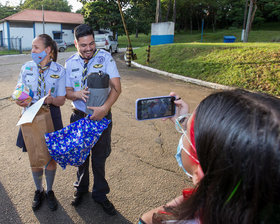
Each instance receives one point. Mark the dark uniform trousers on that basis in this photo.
(99, 153)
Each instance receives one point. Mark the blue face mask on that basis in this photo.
(178, 156)
(38, 57)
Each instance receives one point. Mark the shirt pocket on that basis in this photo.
(31, 81)
(76, 78)
(51, 84)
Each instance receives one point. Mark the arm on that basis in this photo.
(148, 216)
(102, 111)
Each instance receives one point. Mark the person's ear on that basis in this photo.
(197, 174)
(76, 43)
(48, 50)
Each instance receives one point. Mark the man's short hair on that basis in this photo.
(83, 30)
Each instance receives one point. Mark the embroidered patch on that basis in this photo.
(75, 69)
(77, 84)
(52, 90)
(98, 66)
(54, 76)
(100, 59)
(30, 74)
(28, 68)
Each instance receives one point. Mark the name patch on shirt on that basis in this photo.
(98, 66)
(75, 69)
(30, 74)
(54, 76)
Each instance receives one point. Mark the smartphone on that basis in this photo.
(155, 107)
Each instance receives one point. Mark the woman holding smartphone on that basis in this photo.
(230, 147)
(43, 75)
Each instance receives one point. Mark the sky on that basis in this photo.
(75, 4)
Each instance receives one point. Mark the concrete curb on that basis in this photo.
(183, 78)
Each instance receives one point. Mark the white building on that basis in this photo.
(28, 24)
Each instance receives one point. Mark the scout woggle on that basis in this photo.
(38, 57)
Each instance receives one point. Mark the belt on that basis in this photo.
(83, 114)
(79, 112)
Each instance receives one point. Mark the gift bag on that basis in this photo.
(33, 135)
(71, 145)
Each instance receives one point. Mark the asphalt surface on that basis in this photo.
(141, 170)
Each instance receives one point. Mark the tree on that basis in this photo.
(102, 14)
(53, 5)
(251, 15)
(6, 10)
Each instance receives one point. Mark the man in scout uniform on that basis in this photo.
(88, 60)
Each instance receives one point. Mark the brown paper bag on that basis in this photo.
(33, 135)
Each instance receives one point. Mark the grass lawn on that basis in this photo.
(208, 37)
(254, 66)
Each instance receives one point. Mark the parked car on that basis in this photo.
(107, 42)
(61, 45)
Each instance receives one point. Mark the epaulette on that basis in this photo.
(70, 57)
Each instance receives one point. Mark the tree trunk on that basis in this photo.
(244, 20)
(253, 15)
(174, 12)
(191, 23)
(248, 22)
(157, 11)
(168, 10)
(136, 33)
(214, 22)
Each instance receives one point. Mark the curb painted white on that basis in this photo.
(183, 78)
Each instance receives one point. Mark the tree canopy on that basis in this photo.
(53, 5)
(6, 10)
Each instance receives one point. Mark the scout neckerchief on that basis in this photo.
(41, 79)
(84, 78)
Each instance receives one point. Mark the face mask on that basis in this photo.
(38, 57)
(178, 156)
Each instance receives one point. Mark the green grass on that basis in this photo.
(254, 66)
(6, 52)
(208, 37)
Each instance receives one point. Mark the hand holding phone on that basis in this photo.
(155, 107)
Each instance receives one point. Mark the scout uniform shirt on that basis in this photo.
(101, 61)
(54, 77)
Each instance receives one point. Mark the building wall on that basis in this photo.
(25, 33)
(68, 37)
(28, 31)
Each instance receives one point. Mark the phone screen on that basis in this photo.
(155, 107)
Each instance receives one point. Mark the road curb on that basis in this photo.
(183, 78)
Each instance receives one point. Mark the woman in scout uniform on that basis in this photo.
(43, 75)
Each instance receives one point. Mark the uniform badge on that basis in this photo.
(29, 68)
(98, 66)
(100, 59)
(30, 74)
(52, 90)
(77, 84)
(54, 76)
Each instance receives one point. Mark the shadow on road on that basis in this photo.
(8, 211)
(93, 213)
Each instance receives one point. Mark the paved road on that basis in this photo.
(141, 169)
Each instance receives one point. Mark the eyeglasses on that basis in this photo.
(178, 124)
